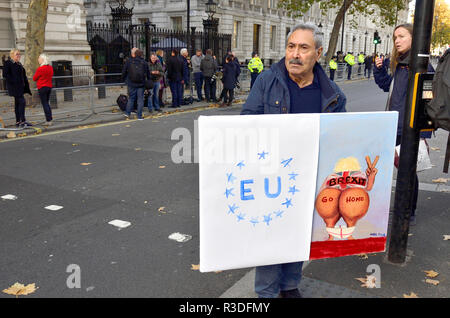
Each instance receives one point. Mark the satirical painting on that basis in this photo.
(353, 184)
(285, 188)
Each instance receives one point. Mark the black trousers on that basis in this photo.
(228, 95)
(19, 108)
(44, 94)
(332, 74)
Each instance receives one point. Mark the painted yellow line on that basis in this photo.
(39, 133)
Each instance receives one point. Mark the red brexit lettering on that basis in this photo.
(345, 180)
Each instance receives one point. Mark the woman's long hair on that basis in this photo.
(395, 54)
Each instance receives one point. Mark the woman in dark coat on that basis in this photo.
(229, 81)
(17, 85)
(397, 86)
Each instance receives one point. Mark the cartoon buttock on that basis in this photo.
(344, 194)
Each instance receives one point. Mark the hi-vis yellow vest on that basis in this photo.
(350, 59)
(361, 58)
(255, 63)
(333, 65)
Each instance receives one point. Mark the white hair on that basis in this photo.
(318, 36)
(183, 50)
(45, 59)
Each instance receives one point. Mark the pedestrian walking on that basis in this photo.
(296, 84)
(255, 67)
(208, 66)
(135, 72)
(397, 85)
(198, 75)
(175, 75)
(17, 85)
(229, 81)
(156, 72)
(43, 78)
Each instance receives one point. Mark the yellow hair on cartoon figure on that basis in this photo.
(347, 164)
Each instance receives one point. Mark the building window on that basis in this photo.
(271, 4)
(236, 34)
(273, 37)
(288, 30)
(177, 23)
(256, 34)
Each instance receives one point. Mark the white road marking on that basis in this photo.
(54, 207)
(120, 224)
(9, 197)
(180, 237)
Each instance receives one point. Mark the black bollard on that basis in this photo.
(68, 95)
(101, 80)
(53, 100)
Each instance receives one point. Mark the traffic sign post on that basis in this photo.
(420, 54)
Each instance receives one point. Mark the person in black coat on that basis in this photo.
(175, 75)
(229, 80)
(368, 62)
(17, 85)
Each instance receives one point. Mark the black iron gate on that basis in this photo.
(111, 44)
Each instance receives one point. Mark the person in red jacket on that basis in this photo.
(43, 79)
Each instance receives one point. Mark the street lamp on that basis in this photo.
(211, 24)
(211, 8)
(343, 26)
(365, 41)
(387, 44)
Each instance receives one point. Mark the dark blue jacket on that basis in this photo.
(229, 75)
(270, 93)
(185, 70)
(398, 95)
(144, 67)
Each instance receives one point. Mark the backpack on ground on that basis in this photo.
(438, 109)
(122, 101)
(136, 72)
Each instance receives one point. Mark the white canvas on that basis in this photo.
(257, 186)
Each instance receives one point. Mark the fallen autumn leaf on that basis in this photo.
(431, 273)
(19, 289)
(412, 295)
(432, 281)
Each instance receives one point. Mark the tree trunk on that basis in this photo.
(35, 38)
(336, 29)
(34, 42)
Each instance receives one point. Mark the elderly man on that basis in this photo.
(135, 72)
(296, 84)
(198, 76)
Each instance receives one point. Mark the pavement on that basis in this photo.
(428, 250)
(76, 115)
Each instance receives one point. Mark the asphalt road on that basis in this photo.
(118, 171)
